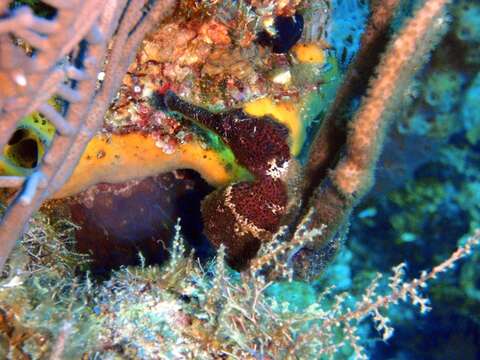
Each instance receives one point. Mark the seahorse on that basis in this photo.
(242, 215)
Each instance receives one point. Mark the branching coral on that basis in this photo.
(31, 84)
(340, 184)
(80, 29)
(185, 310)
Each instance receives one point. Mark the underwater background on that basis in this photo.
(426, 198)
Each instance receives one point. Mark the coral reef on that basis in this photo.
(284, 107)
(268, 157)
(210, 34)
(190, 311)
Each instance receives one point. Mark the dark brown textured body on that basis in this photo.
(242, 215)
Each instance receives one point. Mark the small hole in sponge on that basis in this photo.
(23, 149)
(28, 153)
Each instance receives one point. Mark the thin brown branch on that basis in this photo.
(354, 174)
(31, 196)
(332, 134)
(29, 82)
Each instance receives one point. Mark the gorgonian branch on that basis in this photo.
(82, 30)
(352, 176)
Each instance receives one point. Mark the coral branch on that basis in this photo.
(31, 197)
(86, 103)
(374, 302)
(29, 82)
(332, 135)
(128, 37)
(352, 177)
(354, 174)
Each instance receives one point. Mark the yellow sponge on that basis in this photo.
(309, 53)
(286, 113)
(119, 158)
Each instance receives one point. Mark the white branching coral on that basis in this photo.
(188, 310)
(276, 253)
(236, 317)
